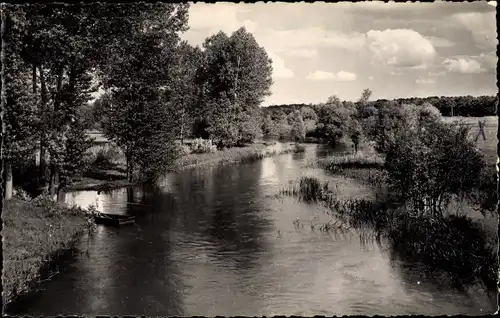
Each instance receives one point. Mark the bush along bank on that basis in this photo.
(104, 180)
(454, 245)
(247, 154)
(421, 157)
(36, 234)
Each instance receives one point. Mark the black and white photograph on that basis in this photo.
(249, 159)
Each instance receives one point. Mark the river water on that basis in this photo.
(216, 241)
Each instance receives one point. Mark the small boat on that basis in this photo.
(113, 219)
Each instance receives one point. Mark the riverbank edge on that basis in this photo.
(319, 193)
(42, 260)
(43, 269)
(253, 154)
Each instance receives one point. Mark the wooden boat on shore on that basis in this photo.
(113, 219)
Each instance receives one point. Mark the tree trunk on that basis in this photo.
(130, 195)
(182, 129)
(43, 155)
(57, 99)
(129, 166)
(33, 79)
(43, 116)
(61, 195)
(8, 180)
(52, 181)
(3, 99)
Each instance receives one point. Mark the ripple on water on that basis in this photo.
(216, 242)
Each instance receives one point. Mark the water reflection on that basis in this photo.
(215, 242)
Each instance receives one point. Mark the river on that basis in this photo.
(216, 241)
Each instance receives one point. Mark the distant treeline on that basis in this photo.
(467, 106)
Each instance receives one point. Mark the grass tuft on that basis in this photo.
(359, 160)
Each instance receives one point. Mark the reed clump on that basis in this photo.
(360, 160)
(452, 244)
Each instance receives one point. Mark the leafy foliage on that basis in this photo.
(140, 72)
(298, 129)
(202, 146)
(334, 119)
(422, 166)
(237, 76)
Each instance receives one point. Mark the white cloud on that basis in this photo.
(313, 37)
(306, 53)
(425, 81)
(207, 19)
(279, 68)
(320, 76)
(437, 74)
(440, 42)
(488, 61)
(492, 3)
(481, 25)
(371, 77)
(341, 76)
(215, 17)
(400, 47)
(462, 65)
(345, 76)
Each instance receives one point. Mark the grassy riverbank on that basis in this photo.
(35, 234)
(112, 174)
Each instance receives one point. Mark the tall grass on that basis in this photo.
(309, 189)
(106, 156)
(248, 154)
(35, 233)
(359, 160)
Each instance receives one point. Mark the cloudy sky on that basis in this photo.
(395, 49)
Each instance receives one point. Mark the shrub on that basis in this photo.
(107, 155)
(422, 166)
(360, 160)
(298, 129)
(21, 194)
(184, 150)
(454, 244)
(249, 128)
(203, 146)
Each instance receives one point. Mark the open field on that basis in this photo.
(488, 146)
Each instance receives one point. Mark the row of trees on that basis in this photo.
(468, 106)
(422, 152)
(334, 121)
(157, 87)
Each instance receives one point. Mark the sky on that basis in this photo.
(395, 49)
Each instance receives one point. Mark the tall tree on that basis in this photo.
(18, 104)
(334, 119)
(186, 93)
(365, 96)
(237, 74)
(64, 45)
(140, 75)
